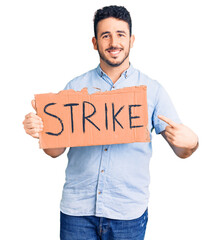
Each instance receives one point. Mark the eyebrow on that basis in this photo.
(121, 31)
(103, 33)
(107, 32)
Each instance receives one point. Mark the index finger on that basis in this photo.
(33, 116)
(168, 121)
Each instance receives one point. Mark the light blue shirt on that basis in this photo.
(112, 181)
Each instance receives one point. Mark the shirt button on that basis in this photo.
(105, 149)
(99, 192)
(102, 171)
(113, 86)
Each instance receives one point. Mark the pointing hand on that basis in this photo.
(179, 135)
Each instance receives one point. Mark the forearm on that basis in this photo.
(184, 152)
(54, 152)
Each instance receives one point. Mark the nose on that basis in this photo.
(114, 41)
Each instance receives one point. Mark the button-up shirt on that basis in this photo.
(112, 181)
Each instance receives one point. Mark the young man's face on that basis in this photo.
(113, 41)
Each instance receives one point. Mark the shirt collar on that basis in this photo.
(126, 73)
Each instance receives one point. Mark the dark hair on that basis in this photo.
(115, 12)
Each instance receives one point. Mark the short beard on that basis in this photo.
(110, 63)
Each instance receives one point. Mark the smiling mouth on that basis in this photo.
(114, 52)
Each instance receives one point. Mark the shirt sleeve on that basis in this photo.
(67, 87)
(165, 107)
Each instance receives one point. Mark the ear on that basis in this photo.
(94, 41)
(132, 39)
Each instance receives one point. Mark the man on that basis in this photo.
(106, 191)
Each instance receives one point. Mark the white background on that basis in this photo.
(44, 44)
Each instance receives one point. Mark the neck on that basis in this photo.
(114, 73)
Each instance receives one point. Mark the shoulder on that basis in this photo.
(153, 86)
(77, 81)
(156, 93)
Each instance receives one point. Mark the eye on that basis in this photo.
(121, 35)
(105, 36)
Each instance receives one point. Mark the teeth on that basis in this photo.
(115, 52)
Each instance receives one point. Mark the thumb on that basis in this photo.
(33, 104)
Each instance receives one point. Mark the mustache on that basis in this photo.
(113, 48)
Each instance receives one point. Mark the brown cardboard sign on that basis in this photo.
(73, 118)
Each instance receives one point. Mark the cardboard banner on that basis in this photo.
(73, 118)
